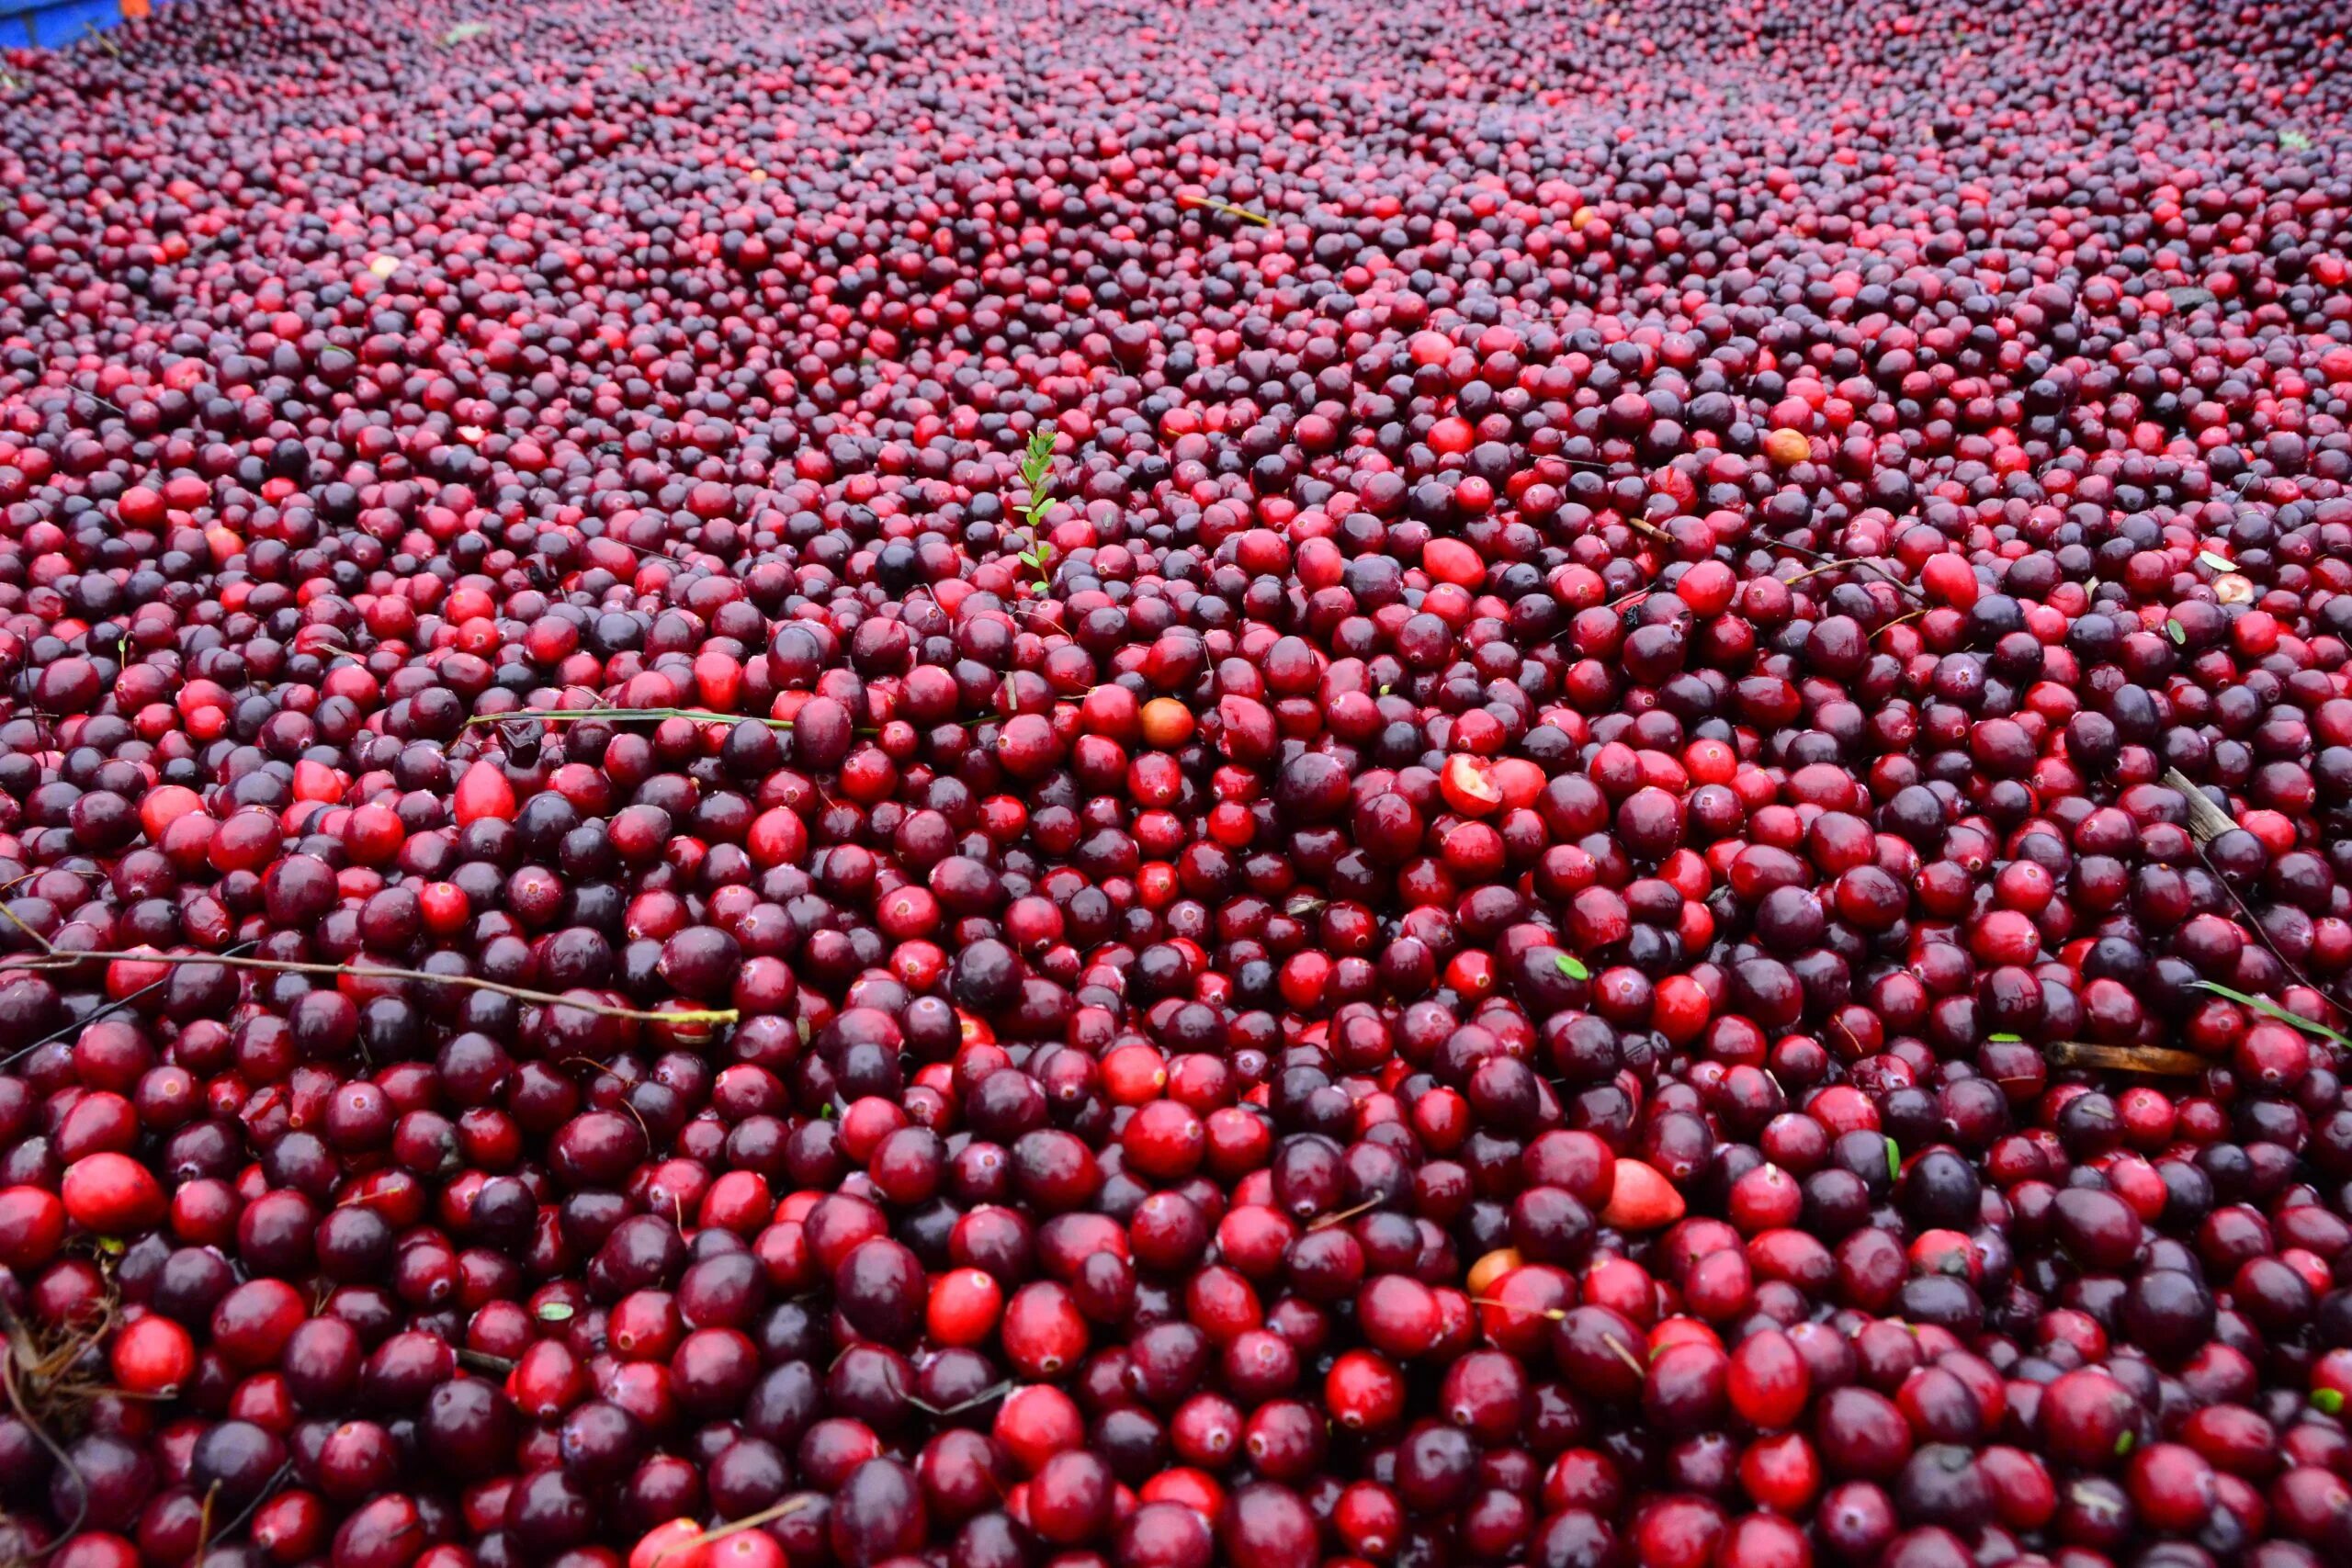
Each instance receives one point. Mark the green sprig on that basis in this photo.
(1037, 472)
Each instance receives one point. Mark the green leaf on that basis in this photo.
(1038, 460)
(2218, 562)
(2123, 1445)
(1574, 969)
(1893, 1160)
(463, 31)
(555, 1312)
(2294, 141)
(2007, 1039)
(1036, 470)
(2175, 630)
(2269, 1008)
(2328, 1401)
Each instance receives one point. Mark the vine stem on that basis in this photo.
(55, 960)
(1828, 566)
(15, 1346)
(736, 1527)
(1554, 1315)
(1325, 1222)
(2152, 1059)
(1228, 208)
(2207, 822)
(1912, 589)
(575, 716)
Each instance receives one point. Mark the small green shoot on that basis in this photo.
(1037, 472)
(2123, 1444)
(1574, 969)
(2176, 631)
(2005, 1039)
(2269, 1008)
(2294, 141)
(463, 31)
(1893, 1160)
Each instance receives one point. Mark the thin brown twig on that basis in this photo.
(99, 401)
(626, 1104)
(204, 1521)
(1228, 208)
(283, 1473)
(735, 1527)
(2124, 1059)
(2207, 822)
(1826, 558)
(54, 1035)
(18, 921)
(1342, 1216)
(575, 716)
(18, 1353)
(56, 1451)
(1838, 565)
(996, 1390)
(1556, 1315)
(1624, 1354)
(289, 966)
